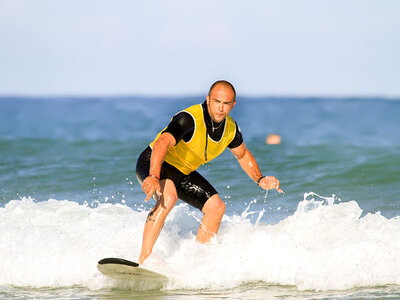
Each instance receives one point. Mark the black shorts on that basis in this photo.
(194, 189)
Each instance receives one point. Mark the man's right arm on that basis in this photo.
(181, 127)
(152, 183)
(159, 152)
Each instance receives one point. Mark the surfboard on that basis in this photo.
(118, 268)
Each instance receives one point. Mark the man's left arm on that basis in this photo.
(250, 166)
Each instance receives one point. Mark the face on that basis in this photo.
(220, 102)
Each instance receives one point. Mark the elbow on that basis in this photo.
(242, 155)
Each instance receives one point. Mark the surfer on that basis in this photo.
(167, 168)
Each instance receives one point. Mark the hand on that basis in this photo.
(269, 183)
(150, 186)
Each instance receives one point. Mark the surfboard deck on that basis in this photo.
(119, 268)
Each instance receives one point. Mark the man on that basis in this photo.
(167, 168)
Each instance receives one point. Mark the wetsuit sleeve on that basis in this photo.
(237, 140)
(181, 127)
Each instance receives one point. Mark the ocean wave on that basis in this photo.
(325, 245)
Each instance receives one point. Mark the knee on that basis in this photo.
(214, 206)
(221, 207)
(168, 202)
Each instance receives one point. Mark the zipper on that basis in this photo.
(205, 150)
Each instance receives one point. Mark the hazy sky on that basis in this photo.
(175, 47)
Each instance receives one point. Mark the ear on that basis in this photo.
(233, 104)
(208, 99)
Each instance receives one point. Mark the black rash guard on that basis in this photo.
(182, 128)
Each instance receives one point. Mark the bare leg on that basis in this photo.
(156, 218)
(213, 210)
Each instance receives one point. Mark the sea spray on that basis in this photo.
(323, 246)
(57, 243)
(326, 244)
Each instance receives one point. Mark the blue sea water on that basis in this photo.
(69, 197)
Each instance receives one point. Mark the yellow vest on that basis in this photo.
(188, 156)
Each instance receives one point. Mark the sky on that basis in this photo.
(180, 47)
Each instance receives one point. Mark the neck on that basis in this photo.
(213, 128)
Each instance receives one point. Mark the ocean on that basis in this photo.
(69, 197)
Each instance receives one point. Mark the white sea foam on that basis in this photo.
(323, 246)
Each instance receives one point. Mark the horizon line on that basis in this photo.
(196, 95)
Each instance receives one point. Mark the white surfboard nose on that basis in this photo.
(119, 268)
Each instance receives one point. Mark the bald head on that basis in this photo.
(220, 100)
(223, 84)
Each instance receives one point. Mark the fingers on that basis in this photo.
(280, 191)
(150, 186)
(277, 185)
(278, 188)
(150, 192)
(271, 182)
(148, 197)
